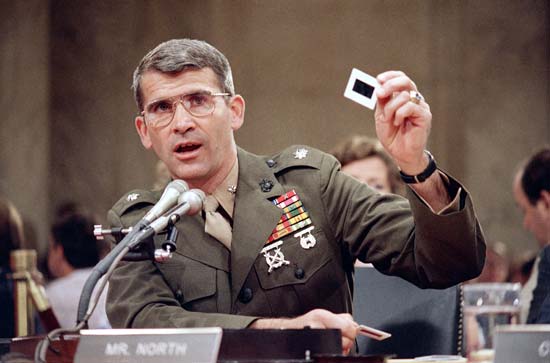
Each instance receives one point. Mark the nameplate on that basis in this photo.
(196, 345)
(522, 344)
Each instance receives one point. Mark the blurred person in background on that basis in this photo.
(497, 265)
(365, 159)
(525, 272)
(73, 251)
(11, 238)
(162, 176)
(532, 195)
(522, 268)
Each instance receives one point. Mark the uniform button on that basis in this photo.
(179, 296)
(271, 163)
(246, 295)
(266, 185)
(299, 273)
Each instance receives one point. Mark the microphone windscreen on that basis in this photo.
(168, 199)
(195, 198)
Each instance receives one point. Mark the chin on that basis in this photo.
(188, 173)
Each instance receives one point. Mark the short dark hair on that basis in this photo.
(177, 55)
(74, 231)
(536, 175)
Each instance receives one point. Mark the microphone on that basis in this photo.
(195, 198)
(136, 235)
(189, 203)
(169, 197)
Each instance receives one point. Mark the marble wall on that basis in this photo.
(66, 70)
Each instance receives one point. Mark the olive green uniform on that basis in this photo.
(205, 284)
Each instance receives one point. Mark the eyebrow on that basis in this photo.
(180, 94)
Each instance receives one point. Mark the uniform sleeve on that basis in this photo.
(139, 296)
(401, 236)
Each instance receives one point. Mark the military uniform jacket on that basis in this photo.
(205, 284)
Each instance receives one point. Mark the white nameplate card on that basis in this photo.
(197, 345)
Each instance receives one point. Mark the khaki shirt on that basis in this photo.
(205, 284)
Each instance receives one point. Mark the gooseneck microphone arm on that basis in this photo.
(102, 266)
(190, 202)
(169, 197)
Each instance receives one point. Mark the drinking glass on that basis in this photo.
(487, 305)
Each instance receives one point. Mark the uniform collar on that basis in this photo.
(225, 197)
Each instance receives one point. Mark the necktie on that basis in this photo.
(215, 224)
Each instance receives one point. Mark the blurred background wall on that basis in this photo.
(66, 130)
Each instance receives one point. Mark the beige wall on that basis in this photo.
(483, 66)
(24, 101)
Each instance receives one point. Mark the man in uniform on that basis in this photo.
(291, 224)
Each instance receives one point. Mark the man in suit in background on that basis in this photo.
(532, 194)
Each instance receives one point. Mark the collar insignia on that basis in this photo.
(132, 197)
(300, 153)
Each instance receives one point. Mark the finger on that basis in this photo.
(382, 78)
(348, 326)
(385, 76)
(408, 111)
(394, 104)
(347, 344)
(396, 84)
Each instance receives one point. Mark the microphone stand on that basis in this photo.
(140, 233)
(140, 237)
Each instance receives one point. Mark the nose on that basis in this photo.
(182, 120)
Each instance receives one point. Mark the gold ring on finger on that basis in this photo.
(415, 97)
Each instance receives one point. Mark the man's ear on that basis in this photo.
(237, 107)
(544, 200)
(143, 132)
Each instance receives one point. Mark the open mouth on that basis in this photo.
(185, 148)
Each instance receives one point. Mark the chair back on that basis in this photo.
(421, 321)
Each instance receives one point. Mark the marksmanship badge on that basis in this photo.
(274, 256)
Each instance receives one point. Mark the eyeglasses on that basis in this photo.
(160, 113)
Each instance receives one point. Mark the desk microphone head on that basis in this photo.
(168, 199)
(195, 198)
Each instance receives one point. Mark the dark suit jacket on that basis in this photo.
(205, 284)
(539, 309)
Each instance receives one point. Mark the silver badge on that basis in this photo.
(274, 256)
(300, 153)
(132, 197)
(307, 240)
